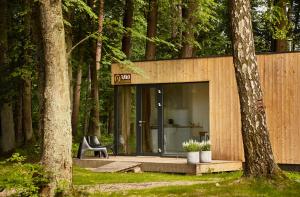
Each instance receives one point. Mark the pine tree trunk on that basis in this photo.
(76, 97)
(18, 120)
(188, 33)
(7, 128)
(40, 66)
(259, 159)
(26, 82)
(127, 24)
(151, 29)
(26, 111)
(126, 90)
(57, 141)
(281, 44)
(7, 132)
(94, 122)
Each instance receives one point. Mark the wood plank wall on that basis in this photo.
(280, 78)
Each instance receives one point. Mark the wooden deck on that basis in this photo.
(163, 164)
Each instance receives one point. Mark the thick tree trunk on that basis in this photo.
(57, 142)
(151, 29)
(188, 37)
(259, 159)
(94, 122)
(76, 97)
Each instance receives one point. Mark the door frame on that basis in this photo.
(160, 120)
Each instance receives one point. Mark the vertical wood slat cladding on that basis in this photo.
(280, 79)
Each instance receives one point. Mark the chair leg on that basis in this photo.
(81, 153)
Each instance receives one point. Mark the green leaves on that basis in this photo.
(277, 22)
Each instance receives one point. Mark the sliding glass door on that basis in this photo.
(149, 120)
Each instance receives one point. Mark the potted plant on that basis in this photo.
(205, 153)
(192, 147)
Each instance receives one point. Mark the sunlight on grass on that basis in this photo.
(86, 177)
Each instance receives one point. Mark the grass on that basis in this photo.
(86, 177)
(228, 188)
(230, 184)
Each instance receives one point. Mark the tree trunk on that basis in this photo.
(26, 82)
(259, 159)
(188, 33)
(57, 141)
(282, 44)
(7, 128)
(26, 111)
(18, 120)
(126, 90)
(76, 97)
(7, 132)
(69, 43)
(151, 29)
(127, 24)
(94, 122)
(150, 54)
(40, 66)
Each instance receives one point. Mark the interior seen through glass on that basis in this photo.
(185, 116)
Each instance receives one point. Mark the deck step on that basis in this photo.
(119, 166)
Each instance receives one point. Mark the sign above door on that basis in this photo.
(122, 78)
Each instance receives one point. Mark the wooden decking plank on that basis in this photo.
(117, 166)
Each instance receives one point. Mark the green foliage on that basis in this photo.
(25, 178)
(191, 146)
(205, 147)
(278, 23)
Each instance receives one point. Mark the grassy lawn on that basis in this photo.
(227, 188)
(86, 177)
(230, 184)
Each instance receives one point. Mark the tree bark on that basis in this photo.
(18, 120)
(259, 159)
(7, 134)
(57, 142)
(151, 30)
(26, 81)
(94, 122)
(40, 66)
(126, 90)
(26, 111)
(76, 97)
(127, 24)
(282, 44)
(7, 128)
(188, 37)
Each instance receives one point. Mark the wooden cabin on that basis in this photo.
(176, 100)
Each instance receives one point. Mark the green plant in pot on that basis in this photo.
(192, 147)
(205, 153)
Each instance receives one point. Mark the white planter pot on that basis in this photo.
(205, 156)
(192, 157)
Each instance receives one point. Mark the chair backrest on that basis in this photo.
(85, 144)
(93, 141)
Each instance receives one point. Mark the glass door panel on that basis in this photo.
(149, 109)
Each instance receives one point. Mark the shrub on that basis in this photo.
(25, 178)
(191, 146)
